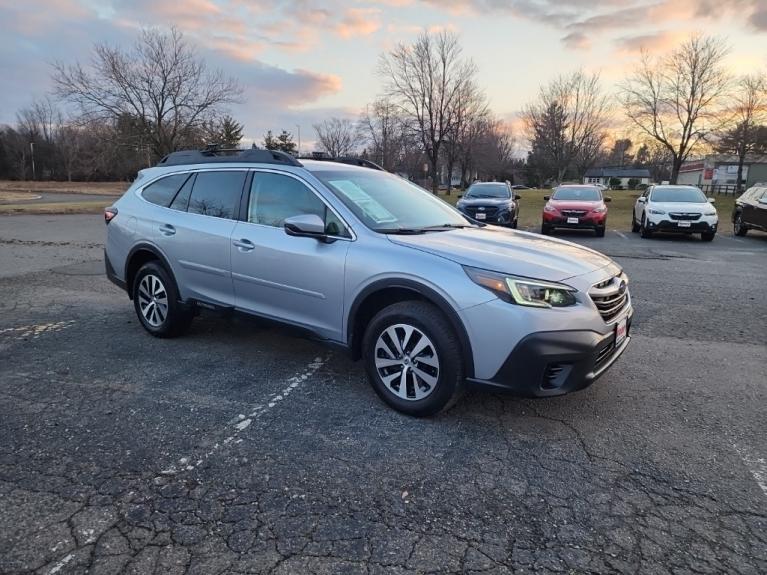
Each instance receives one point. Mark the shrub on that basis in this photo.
(633, 183)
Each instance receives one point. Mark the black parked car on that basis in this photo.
(491, 202)
(750, 211)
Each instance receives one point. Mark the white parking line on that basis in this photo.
(756, 465)
(241, 422)
(621, 234)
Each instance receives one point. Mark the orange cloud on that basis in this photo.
(359, 22)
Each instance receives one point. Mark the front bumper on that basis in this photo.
(585, 222)
(664, 224)
(545, 364)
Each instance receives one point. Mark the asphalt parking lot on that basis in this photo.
(242, 448)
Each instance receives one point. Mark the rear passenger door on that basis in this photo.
(295, 279)
(196, 233)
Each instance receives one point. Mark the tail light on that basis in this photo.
(109, 214)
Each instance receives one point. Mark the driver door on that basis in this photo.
(639, 207)
(298, 280)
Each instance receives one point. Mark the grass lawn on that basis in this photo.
(89, 207)
(619, 210)
(36, 187)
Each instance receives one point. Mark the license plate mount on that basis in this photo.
(683, 224)
(620, 332)
(572, 220)
(481, 216)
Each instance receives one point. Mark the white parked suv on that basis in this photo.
(679, 209)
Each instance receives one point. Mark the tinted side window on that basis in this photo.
(217, 194)
(162, 191)
(274, 197)
(181, 201)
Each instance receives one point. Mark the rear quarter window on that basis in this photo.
(162, 191)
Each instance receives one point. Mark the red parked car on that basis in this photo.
(575, 207)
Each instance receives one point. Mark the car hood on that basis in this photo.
(574, 205)
(484, 201)
(513, 252)
(697, 207)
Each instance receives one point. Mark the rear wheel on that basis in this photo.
(157, 304)
(413, 358)
(644, 231)
(739, 227)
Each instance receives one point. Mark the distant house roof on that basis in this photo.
(618, 173)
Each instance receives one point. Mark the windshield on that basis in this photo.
(578, 194)
(488, 191)
(669, 194)
(386, 203)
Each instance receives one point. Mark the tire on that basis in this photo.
(738, 227)
(707, 236)
(429, 388)
(634, 224)
(600, 232)
(643, 230)
(545, 230)
(514, 224)
(156, 301)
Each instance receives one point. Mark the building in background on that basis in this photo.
(629, 177)
(718, 173)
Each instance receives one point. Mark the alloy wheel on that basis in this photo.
(407, 362)
(153, 300)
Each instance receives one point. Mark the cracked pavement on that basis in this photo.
(242, 448)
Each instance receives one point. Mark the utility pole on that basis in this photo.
(32, 150)
(299, 140)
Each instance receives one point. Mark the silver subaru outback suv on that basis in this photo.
(430, 300)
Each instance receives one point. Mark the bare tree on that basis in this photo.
(471, 114)
(425, 79)
(567, 123)
(337, 137)
(748, 113)
(677, 99)
(160, 81)
(382, 127)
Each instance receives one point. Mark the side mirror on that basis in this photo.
(517, 197)
(641, 199)
(607, 199)
(547, 198)
(305, 226)
(711, 200)
(460, 196)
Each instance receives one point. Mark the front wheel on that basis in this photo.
(413, 358)
(600, 231)
(644, 231)
(707, 236)
(157, 303)
(545, 229)
(634, 224)
(739, 227)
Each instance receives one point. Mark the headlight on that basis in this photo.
(655, 211)
(549, 208)
(523, 291)
(600, 209)
(711, 213)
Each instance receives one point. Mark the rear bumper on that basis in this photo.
(546, 364)
(111, 275)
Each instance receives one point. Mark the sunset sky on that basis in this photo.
(303, 60)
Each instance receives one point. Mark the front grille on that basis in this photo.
(604, 354)
(489, 210)
(573, 213)
(684, 217)
(611, 296)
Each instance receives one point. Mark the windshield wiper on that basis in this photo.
(448, 227)
(401, 231)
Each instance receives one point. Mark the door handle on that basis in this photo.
(167, 230)
(244, 245)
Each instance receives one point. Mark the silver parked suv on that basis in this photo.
(366, 260)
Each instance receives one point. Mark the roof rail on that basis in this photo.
(214, 154)
(321, 156)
